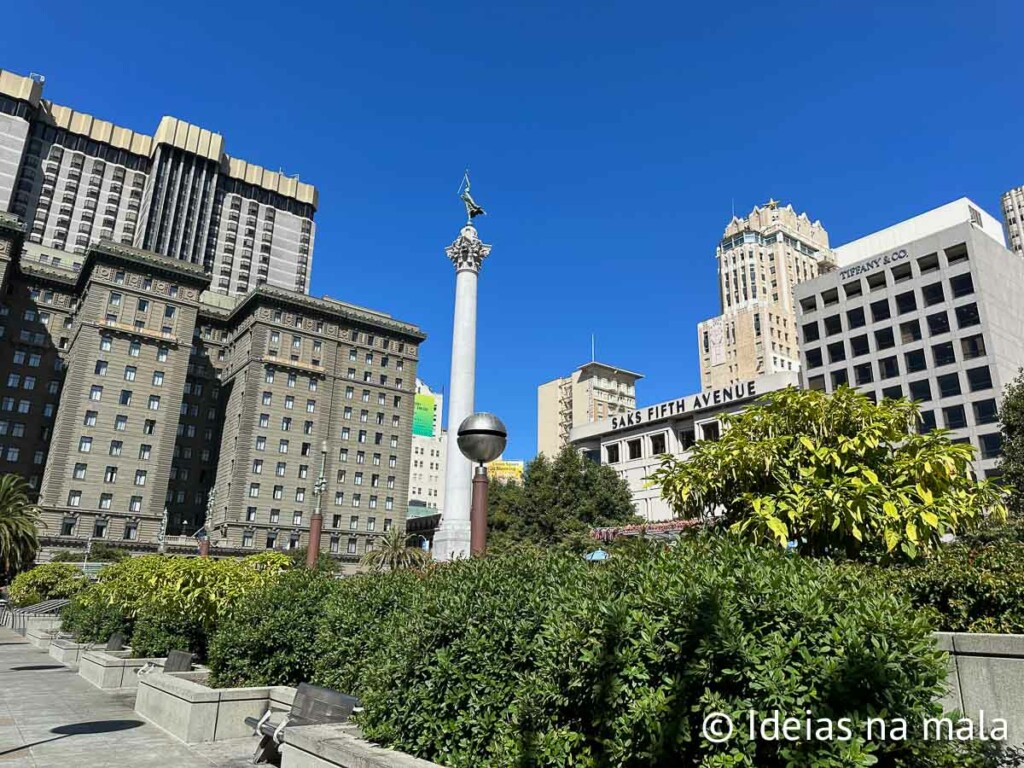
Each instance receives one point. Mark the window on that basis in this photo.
(134, 349)
(79, 473)
(120, 423)
(833, 325)
(906, 302)
(880, 310)
(158, 378)
(633, 449)
(915, 361)
(862, 373)
(144, 452)
(351, 547)
(96, 393)
(961, 285)
(126, 397)
(115, 448)
(140, 477)
(101, 369)
(932, 294)
(910, 331)
(967, 315)
(106, 499)
(99, 529)
(979, 379)
(611, 454)
(297, 518)
(836, 352)
(986, 412)
(991, 445)
(840, 378)
(154, 402)
(267, 398)
(938, 323)
(892, 393)
(90, 419)
(884, 339)
(973, 346)
(855, 317)
(254, 490)
(949, 385)
(813, 358)
(85, 444)
(257, 466)
(859, 346)
(105, 343)
(888, 367)
(920, 390)
(161, 355)
(149, 427)
(75, 499)
(129, 373)
(811, 332)
(954, 417)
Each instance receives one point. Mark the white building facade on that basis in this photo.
(429, 453)
(633, 444)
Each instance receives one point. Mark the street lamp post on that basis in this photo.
(481, 438)
(316, 522)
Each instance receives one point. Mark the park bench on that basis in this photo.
(19, 616)
(176, 661)
(312, 705)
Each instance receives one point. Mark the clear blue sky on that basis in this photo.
(608, 141)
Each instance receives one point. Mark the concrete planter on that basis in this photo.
(111, 670)
(986, 674)
(27, 624)
(68, 652)
(40, 637)
(340, 746)
(180, 704)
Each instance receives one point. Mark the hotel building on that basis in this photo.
(929, 309)
(77, 180)
(760, 259)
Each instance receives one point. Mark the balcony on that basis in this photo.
(283, 363)
(146, 332)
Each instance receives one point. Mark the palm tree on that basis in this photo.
(19, 523)
(394, 552)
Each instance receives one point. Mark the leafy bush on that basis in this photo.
(832, 474)
(99, 553)
(49, 581)
(270, 638)
(91, 621)
(968, 588)
(173, 601)
(551, 661)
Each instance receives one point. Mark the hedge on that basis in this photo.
(546, 660)
(49, 581)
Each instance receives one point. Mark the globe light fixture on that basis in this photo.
(482, 438)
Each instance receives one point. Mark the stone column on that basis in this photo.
(467, 253)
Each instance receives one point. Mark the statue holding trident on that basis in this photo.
(472, 209)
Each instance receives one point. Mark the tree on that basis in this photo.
(832, 475)
(558, 502)
(1011, 414)
(393, 553)
(19, 524)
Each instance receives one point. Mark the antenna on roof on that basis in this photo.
(593, 356)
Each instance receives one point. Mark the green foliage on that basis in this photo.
(100, 553)
(1011, 415)
(836, 474)
(49, 581)
(393, 553)
(551, 661)
(968, 587)
(93, 622)
(558, 502)
(271, 638)
(19, 524)
(178, 599)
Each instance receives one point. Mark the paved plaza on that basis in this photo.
(49, 716)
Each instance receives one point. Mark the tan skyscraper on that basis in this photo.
(592, 392)
(760, 259)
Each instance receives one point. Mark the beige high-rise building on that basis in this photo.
(1013, 216)
(760, 259)
(592, 392)
(429, 452)
(75, 180)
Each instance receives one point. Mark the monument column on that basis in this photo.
(467, 254)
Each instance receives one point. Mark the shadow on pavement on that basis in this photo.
(79, 729)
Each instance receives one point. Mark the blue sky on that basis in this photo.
(608, 141)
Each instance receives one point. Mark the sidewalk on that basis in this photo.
(51, 717)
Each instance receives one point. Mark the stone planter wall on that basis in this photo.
(26, 624)
(340, 746)
(68, 652)
(41, 637)
(986, 674)
(180, 704)
(110, 670)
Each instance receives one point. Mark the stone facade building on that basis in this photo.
(133, 395)
(77, 180)
(760, 259)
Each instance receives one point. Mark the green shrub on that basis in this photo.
(358, 622)
(967, 588)
(270, 639)
(49, 581)
(92, 621)
(551, 661)
(157, 630)
(99, 553)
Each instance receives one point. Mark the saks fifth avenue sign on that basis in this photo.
(872, 264)
(690, 404)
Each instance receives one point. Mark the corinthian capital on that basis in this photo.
(467, 252)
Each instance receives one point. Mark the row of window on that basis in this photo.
(947, 385)
(656, 444)
(943, 353)
(100, 527)
(107, 499)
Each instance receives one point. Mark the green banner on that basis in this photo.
(423, 416)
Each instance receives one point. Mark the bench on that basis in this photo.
(176, 661)
(312, 705)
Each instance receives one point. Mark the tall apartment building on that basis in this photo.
(429, 452)
(76, 180)
(1013, 216)
(760, 259)
(592, 392)
(927, 309)
(129, 389)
